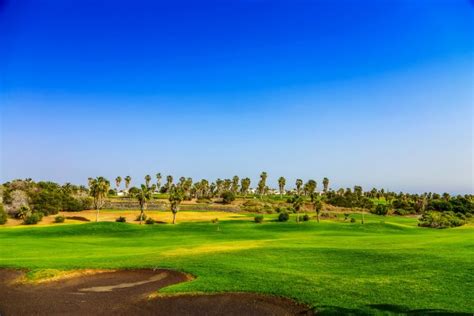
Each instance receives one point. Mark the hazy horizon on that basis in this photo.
(373, 93)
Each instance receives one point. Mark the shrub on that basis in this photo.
(150, 221)
(306, 218)
(143, 218)
(258, 219)
(33, 219)
(434, 219)
(380, 209)
(121, 219)
(227, 197)
(3, 215)
(401, 212)
(59, 219)
(346, 216)
(283, 217)
(353, 220)
(267, 209)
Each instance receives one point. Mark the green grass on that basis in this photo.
(388, 265)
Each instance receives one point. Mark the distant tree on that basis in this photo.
(325, 185)
(297, 202)
(169, 182)
(175, 198)
(143, 195)
(235, 185)
(381, 209)
(118, 180)
(147, 180)
(244, 186)
(310, 187)
(299, 184)
(262, 184)
(158, 181)
(98, 191)
(318, 206)
(127, 179)
(281, 185)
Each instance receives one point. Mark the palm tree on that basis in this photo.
(262, 183)
(176, 196)
(318, 206)
(99, 189)
(244, 186)
(325, 185)
(118, 180)
(143, 195)
(147, 180)
(281, 185)
(127, 179)
(297, 202)
(310, 187)
(235, 184)
(169, 182)
(299, 184)
(158, 181)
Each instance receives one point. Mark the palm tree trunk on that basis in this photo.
(298, 218)
(318, 217)
(363, 216)
(141, 215)
(97, 216)
(174, 218)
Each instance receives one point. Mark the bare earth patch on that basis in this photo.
(127, 292)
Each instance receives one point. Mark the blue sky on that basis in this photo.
(371, 93)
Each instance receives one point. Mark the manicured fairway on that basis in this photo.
(389, 266)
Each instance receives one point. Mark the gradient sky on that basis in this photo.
(372, 93)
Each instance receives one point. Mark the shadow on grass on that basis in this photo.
(384, 309)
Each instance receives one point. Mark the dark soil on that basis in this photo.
(126, 292)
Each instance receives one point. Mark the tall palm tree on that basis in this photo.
(262, 183)
(158, 181)
(281, 185)
(310, 187)
(127, 179)
(169, 182)
(325, 185)
(244, 186)
(147, 180)
(235, 184)
(297, 202)
(99, 189)
(299, 184)
(143, 195)
(118, 180)
(175, 198)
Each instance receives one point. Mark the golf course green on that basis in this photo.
(387, 265)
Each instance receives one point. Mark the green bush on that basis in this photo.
(283, 217)
(258, 219)
(59, 219)
(380, 209)
(434, 219)
(33, 219)
(150, 221)
(121, 219)
(227, 197)
(3, 215)
(353, 220)
(306, 218)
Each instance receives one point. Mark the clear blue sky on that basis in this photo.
(375, 93)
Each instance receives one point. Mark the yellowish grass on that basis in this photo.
(213, 248)
(52, 275)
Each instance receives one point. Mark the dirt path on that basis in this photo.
(126, 292)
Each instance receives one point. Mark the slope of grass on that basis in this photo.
(387, 264)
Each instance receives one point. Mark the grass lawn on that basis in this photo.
(390, 266)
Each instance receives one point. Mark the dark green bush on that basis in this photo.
(283, 217)
(121, 219)
(258, 219)
(33, 219)
(434, 219)
(150, 221)
(353, 220)
(306, 218)
(228, 197)
(59, 219)
(380, 209)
